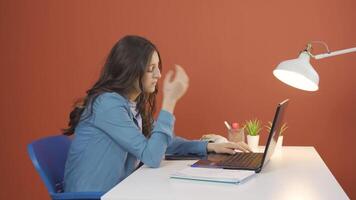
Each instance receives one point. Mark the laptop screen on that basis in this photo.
(276, 126)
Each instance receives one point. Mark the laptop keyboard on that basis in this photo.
(239, 159)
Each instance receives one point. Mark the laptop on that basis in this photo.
(248, 161)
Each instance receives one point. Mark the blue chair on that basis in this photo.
(49, 155)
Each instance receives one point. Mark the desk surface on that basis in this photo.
(294, 173)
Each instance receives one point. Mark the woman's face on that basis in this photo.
(152, 74)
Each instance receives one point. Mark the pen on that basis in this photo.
(227, 125)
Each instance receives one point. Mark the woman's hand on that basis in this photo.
(228, 147)
(174, 88)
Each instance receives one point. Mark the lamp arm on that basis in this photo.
(335, 53)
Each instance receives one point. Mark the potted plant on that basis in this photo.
(253, 129)
(280, 134)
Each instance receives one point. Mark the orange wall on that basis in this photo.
(52, 51)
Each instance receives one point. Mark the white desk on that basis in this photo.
(294, 173)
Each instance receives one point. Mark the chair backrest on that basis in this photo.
(49, 155)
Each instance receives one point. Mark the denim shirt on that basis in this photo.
(108, 144)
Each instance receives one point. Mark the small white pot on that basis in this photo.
(252, 142)
(279, 144)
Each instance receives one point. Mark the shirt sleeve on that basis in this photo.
(181, 146)
(116, 122)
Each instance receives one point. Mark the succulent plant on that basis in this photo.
(253, 127)
(281, 130)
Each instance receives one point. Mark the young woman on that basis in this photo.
(114, 126)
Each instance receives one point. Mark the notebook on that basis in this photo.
(248, 161)
(213, 175)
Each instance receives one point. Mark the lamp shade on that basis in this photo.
(298, 73)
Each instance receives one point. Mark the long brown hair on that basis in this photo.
(126, 63)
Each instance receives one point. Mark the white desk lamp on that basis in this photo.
(299, 73)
